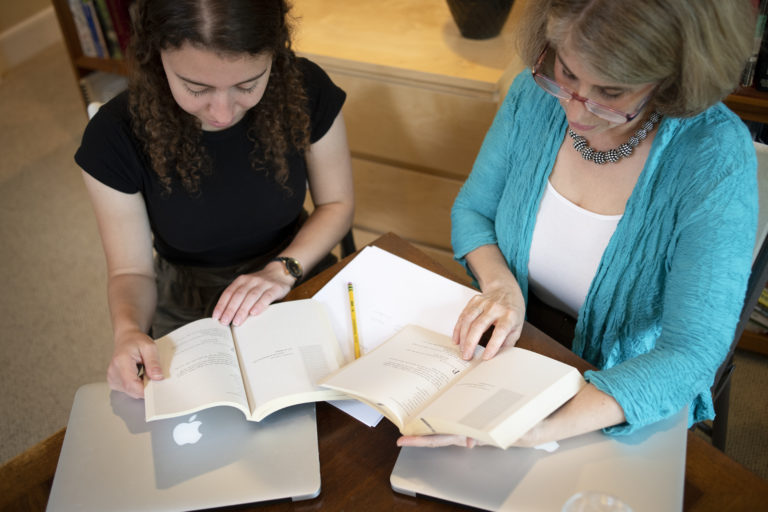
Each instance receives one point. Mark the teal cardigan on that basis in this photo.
(661, 311)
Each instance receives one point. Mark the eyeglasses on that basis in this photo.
(562, 92)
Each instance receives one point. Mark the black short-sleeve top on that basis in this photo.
(239, 213)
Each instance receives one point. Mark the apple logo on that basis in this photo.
(187, 432)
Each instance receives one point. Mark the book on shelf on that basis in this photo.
(272, 361)
(752, 73)
(89, 10)
(114, 50)
(761, 308)
(763, 299)
(759, 318)
(84, 35)
(418, 380)
(755, 327)
(119, 10)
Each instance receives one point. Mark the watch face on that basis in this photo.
(293, 267)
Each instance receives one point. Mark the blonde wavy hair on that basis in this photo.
(695, 50)
(171, 137)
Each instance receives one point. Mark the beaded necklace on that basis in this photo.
(614, 155)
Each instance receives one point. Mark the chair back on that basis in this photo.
(755, 285)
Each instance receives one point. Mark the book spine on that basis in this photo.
(759, 319)
(95, 28)
(121, 21)
(83, 31)
(110, 35)
(748, 76)
(763, 299)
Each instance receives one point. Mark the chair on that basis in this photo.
(721, 388)
(347, 244)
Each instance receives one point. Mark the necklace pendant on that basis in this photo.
(581, 144)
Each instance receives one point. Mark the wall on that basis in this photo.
(26, 28)
(13, 12)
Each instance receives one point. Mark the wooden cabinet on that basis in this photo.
(420, 99)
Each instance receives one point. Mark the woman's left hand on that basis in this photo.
(438, 440)
(250, 294)
(589, 410)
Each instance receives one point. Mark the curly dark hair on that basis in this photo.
(170, 136)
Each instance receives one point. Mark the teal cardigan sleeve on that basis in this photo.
(707, 263)
(473, 214)
(498, 202)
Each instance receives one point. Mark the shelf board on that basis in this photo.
(754, 342)
(749, 104)
(87, 64)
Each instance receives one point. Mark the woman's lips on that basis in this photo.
(580, 127)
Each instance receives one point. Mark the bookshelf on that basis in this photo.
(82, 65)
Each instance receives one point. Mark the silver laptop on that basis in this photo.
(645, 470)
(112, 459)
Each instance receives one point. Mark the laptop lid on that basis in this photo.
(646, 470)
(111, 459)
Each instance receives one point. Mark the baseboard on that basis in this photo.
(24, 40)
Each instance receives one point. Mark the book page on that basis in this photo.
(404, 374)
(504, 397)
(284, 352)
(200, 366)
(390, 292)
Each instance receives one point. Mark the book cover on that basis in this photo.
(84, 35)
(121, 20)
(756, 69)
(108, 29)
(93, 25)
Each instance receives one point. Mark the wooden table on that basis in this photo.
(356, 461)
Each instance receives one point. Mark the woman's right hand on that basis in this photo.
(500, 306)
(126, 236)
(133, 351)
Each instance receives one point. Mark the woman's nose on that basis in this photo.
(221, 108)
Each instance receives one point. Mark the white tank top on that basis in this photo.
(568, 243)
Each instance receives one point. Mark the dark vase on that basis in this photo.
(480, 19)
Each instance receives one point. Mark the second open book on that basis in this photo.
(418, 380)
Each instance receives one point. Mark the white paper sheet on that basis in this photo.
(390, 293)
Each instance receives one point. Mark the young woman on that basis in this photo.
(205, 162)
(616, 189)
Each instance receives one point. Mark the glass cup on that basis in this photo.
(595, 501)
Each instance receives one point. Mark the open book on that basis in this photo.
(271, 361)
(418, 380)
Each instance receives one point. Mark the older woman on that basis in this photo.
(615, 188)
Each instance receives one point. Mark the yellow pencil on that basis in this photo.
(354, 319)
